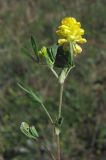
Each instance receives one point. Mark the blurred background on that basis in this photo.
(84, 102)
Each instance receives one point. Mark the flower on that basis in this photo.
(42, 52)
(44, 56)
(70, 31)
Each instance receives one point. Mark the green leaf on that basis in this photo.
(33, 131)
(54, 50)
(35, 49)
(31, 93)
(25, 130)
(30, 132)
(50, 54)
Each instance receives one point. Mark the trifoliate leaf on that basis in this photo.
(25, 129)
(31, 93)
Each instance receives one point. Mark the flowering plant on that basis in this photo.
(60, 55)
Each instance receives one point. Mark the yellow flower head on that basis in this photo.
(70, 31)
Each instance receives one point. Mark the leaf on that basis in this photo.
(50, 54)
(54, 50)
(35, 49)
(25, 129)
(33, 131)
(31, 93)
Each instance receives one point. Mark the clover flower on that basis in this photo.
(61, 54)
(70, 31)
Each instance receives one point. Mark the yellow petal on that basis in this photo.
(82, 40)
(62, 41)
(63, 27)
(71, 30)
(77, 49)
(68, 21)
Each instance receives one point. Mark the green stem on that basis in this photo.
(54, 72)
(47, 113)
(61, 97)
(59, 115)
(71, 52)
(72, 63)
(69, 70)
(58, 147)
